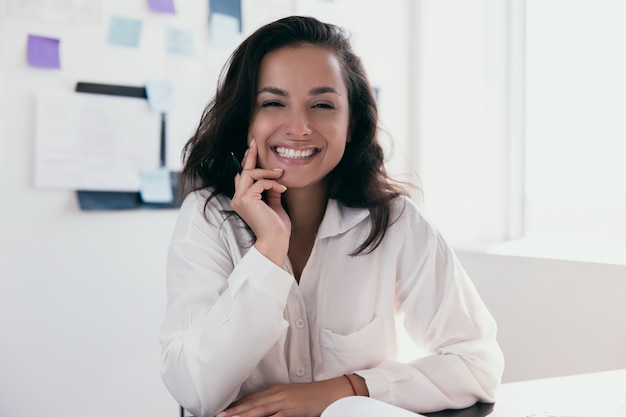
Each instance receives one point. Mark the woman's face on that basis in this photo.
(301, 116)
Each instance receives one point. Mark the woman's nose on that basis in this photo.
(297, 124)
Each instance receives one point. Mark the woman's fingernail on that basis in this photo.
(277, 169)
(284, 188)
(222, 414)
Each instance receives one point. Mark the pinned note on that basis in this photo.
(55, 11)
(325, 10)
(257, 13)
(156, 186)
(231, 8)
(180, 42)
(162, 6)
(160, 95)
(124, 31)
(43, 52)
(93, 141)
(224, 30)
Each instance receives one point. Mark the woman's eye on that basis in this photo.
(272, 103)
(323, 106)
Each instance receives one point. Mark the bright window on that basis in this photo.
(575, 128)
(521, 120)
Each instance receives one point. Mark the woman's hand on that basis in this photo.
(268, 220)
(290, 400)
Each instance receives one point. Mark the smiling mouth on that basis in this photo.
(295, 153)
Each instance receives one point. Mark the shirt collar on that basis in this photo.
(339, 219)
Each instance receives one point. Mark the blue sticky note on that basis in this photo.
(162, 6)
(230, 8)
(156, 186)
(43, 52)
(180, 42)
(160, 95)
(124, 31)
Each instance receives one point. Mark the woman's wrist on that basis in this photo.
(272, 251)
(351, 384)
(357, 384)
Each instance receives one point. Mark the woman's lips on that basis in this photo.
(291, 153)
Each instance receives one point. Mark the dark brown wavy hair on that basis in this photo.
(359, 180)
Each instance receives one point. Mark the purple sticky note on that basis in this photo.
(43, 52)
(162, 6)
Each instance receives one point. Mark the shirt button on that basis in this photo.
(300, 323)
(300, 371)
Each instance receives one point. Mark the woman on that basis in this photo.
(286, 278)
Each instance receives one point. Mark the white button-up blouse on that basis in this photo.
(237, 323)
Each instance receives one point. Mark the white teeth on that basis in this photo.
(294, 153)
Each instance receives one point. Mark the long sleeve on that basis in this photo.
(237, 323)
(218, 308)
(445, 316)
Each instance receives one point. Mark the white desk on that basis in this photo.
(601, 394)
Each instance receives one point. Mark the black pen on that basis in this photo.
(236, 163)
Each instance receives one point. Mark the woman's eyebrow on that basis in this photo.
(274, 90)
(312, 92)
(323, 90)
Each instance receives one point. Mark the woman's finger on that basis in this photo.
(247, 177)
(263, 185)
(249, 158)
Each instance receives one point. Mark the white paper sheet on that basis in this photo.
(224, 31)
(94, 142)
(56, 11)
(257, 13)
(365, 407)
(324, 10)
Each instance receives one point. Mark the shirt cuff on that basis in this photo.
(263, 275)
(377, 384)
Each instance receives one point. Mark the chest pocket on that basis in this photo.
(362, 349)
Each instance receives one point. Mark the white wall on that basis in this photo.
(554, 317)
(82, 293)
